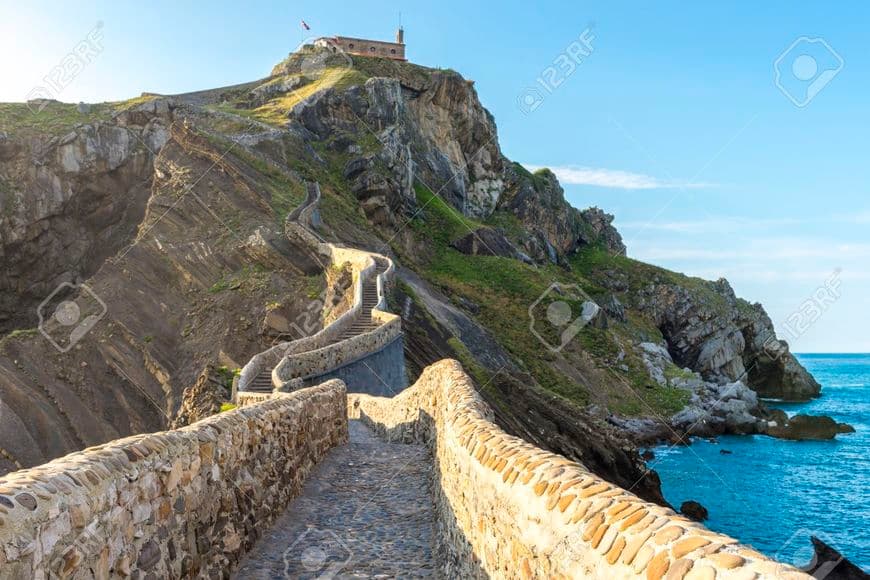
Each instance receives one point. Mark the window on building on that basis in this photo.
(372, 49)
(392, 51)
(350, 45)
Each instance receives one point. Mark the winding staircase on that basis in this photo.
(366, 323)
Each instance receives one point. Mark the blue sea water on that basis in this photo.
(774, 494)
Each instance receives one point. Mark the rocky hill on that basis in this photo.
(169, 209)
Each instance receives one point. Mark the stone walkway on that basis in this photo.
(365, 512)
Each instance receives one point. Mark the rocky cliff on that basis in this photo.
(170, 209)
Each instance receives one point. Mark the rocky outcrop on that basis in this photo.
(693, 510)
(486, 241)
(68, 202)
(710, 330)
(437, 133)
(831, 564)
(202, 399)
(804, 427)
(552, 228)
(184, 286)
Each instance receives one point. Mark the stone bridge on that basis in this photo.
(363, 346)
(319, 483)
(307, 480)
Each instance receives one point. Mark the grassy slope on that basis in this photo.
(504, 289)
(54, 118)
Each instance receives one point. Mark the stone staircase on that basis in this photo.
(262, 382)
(364, 322)
(260, 376)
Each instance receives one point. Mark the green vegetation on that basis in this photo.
(226, 375)
(592, 261)
(227, 407)
(250, 279)
(314, 286)
(134, 102)
(220, 286)
(275, 111)
(504, 289)
(23, 332)
(54, 118)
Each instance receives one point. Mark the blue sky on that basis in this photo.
(674, 122)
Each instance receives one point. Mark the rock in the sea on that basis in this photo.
(710, 330)
(831, 564)
(805, 427)
(693, 510)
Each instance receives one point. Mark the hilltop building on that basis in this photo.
(366, 47)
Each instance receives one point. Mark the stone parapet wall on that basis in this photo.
(317, 362)
(381, 373)
(508, 509)
(322, 352)
(182, 503)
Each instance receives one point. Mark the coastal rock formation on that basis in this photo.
(694, 510)
(202, 399)
(67, 202)
(803, 427)
(829, 563)
(486, 241)
(724, 338)
(552, 228)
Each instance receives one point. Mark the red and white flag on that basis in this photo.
(305, 25)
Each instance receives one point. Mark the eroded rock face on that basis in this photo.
(725, 339)
(805, 427)
(486, 241)
(694, 510)
(70, 202)
(202, 399)
(554, 229)
(438, 133)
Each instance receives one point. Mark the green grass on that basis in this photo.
(504, 289)
(227, 407)
(23, 332)
(19, 119)
(438, 220)
(275, 111)
(591, 262)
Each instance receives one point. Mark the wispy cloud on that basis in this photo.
(615, 178)
(766, 251)
(707, 226)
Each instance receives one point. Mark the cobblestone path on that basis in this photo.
(365, 512)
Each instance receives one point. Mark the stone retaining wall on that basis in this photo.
(380, 373)
(510, 510)
(316, 355)
(183, 503)
(318, 362)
